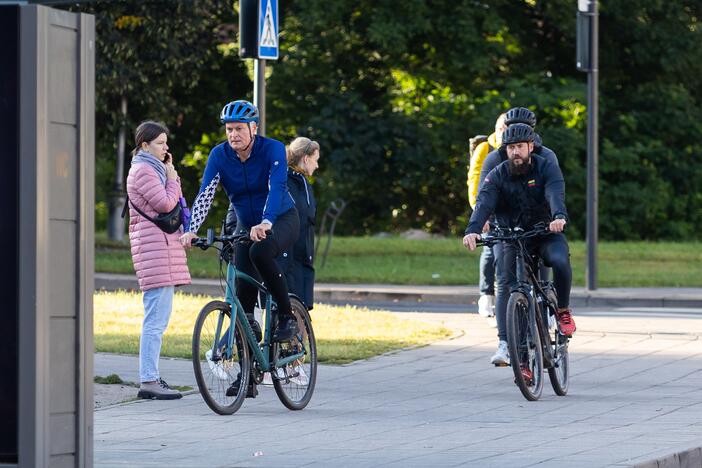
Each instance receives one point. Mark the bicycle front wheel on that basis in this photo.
(294, 382)
(218, 366)
(558, 372)
(526, 355)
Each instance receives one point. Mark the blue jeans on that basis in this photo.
(487, 271)
(158, 304)
(503, 289)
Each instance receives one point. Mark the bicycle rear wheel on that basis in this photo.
(294, 383)
(526, 355)
(216, 366)
(558, 373)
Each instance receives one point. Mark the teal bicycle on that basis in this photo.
(226, 353)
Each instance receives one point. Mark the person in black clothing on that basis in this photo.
(297, 261)
(516, 115)
(521, 192)
(504, 270)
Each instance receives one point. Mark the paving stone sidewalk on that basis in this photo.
(634, 398)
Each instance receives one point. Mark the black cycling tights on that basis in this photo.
(257, 260)
(553, 249)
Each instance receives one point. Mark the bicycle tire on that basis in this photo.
(558, 375)
(294, 383)
(215, 376)
(524, 344)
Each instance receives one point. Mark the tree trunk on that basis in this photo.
(115, 223)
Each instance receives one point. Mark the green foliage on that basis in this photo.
(173, 62)
(393, 90)
(110, 379)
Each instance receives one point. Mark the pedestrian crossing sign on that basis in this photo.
(268, 29)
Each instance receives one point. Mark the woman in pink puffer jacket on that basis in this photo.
(159, 259)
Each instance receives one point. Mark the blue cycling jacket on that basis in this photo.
(257, 188)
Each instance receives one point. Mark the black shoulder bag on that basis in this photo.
(167, 222)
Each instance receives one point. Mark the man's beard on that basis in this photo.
(518, 169)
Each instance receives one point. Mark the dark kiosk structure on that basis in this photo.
(47, 192)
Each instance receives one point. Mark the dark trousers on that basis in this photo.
(553, 249)
(487, 271)
(257, 260)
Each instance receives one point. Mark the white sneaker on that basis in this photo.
(216, 367)
(501, 357)
(486, 305)
(552, 322)
(301, 378)
(267, 380)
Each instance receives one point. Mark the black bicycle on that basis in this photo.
(532, 333)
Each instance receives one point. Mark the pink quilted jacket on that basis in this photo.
(159, 258)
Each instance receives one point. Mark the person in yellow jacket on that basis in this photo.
(486, 302)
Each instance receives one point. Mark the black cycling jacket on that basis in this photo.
(497, 156)
(521, 200)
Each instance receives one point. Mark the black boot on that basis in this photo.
(251, 390)
(286, 329)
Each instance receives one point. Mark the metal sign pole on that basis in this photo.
(260, 93)
(587, 60)
(592, 153)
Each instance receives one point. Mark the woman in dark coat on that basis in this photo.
(297, 262)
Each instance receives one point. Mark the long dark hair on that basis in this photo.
(148, 131)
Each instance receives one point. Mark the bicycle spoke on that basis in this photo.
(294, 382)
(216, 364)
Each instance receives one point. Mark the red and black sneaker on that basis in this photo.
(566, 324)
(527, 374)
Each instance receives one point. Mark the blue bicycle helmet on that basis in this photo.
(239, 111)
(517, 133)
(520, 115)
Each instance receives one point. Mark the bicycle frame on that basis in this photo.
(260, 353)
(529, 285)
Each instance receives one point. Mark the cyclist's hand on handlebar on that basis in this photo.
(557, 225)
(486, 227)
(469, 240)
(260, 231)
(187, 239)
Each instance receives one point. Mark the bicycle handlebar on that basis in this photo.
(206, 242)
(512, 234)
(239, 237)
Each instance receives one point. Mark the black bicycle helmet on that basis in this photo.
(517, 133)
(520, 115)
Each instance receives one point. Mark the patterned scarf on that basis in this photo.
(144, 157)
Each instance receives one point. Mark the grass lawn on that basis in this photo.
(445, 262)
(343, 334)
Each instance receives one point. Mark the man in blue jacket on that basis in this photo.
(522, 191)
(253, 171)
